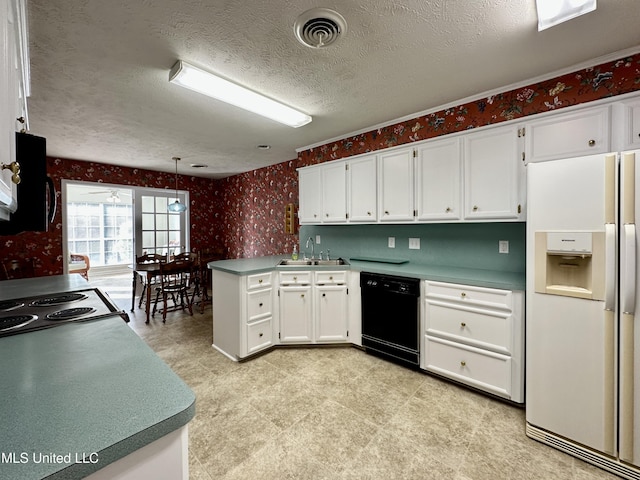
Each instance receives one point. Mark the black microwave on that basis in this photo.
(35, 193)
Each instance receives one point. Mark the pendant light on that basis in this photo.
(177, 207)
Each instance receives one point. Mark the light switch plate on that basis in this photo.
(414, 244)
(503, 246)
(392, 242)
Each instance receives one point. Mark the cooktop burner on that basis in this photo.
(16, 321)
(9, 305)
(70, 313)
(57, 299)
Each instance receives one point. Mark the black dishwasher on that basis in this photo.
(390, 316)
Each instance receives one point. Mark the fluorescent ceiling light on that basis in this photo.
(208, 84)
(553, 12)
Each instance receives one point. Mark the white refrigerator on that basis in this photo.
(582, 337)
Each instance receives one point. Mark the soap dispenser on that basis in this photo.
(294, 254)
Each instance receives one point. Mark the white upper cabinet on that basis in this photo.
(310, 195)
(362, 176)
(630, 127)
(492, 174)
(11, 99)
(565, 135)
(334, 192)
(323, 193)
(395, 180)
(438, 179)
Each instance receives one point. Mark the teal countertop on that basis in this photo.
(441, 273)
(79, 389)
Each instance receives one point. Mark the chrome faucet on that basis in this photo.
(312, 247)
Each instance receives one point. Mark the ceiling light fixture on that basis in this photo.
(553, 12)
(193, 78)
(177, 207)
(114, 197)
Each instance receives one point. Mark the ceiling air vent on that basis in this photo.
(319, 27)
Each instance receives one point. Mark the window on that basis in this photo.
(161, 230)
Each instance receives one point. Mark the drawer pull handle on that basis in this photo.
(462, 324)
(463, 363)
(592, 143)
(463, 295)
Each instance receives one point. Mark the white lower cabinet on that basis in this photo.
(475, 335)
(313, 307)
(242, 313)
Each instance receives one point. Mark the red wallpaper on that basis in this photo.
(46, 247)
(245, 213)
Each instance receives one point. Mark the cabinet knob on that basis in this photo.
(302, 295)
(369, 213)
(462, 324)
(295, 279)
(260, 305)
(592, 143)
(260, 281)
(463, 294)
(324, 294)
(14, 167)
(463, 363)
(448, 209)
(475, 208)
(330, 278)
(326, 215)
(386, 212)
(260, 334)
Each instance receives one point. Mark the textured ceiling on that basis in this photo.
(100, 70)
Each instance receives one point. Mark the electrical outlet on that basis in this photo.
(317, 239)
(392, 242)
(414, 244)
(503, 246)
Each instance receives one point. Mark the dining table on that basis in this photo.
(148, 270)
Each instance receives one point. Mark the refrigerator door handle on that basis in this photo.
(628, 270)
(610, 267)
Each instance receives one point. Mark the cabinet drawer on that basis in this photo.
(480, 296)
(482, 369)
(295, 278)
(479, 327)
(259, 335)
(259, 280)
(258, 303)
(331, 278)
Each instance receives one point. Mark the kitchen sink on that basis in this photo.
(314, 262)
(296, 263)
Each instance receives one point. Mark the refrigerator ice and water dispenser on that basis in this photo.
(570, 264)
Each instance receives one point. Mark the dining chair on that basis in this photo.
(175, 281)
(18, 268)
(147, 258)
(79, 263)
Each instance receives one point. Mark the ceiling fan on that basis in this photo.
(114, 196)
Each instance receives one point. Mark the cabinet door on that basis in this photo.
(331, 313)
(310, 192)
(295, 314)
(631, 125)
(363, 198)
(334, 192)
(492, 163)
(9, 99)
(396, 186)
(585, 132)
(438, 179)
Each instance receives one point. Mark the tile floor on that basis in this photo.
(338, 413)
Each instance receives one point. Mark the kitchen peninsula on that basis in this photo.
(88, 399)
